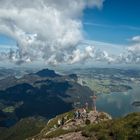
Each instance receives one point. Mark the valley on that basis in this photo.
(30, 101)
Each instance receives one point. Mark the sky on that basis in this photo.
(70, 32)
(116, 22)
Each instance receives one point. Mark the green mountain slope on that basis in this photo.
(125, 128)
(24, 128)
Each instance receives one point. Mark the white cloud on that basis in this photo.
(103, 56)
(79, 56)
(132, 53)
(47, 30)
(117, 54)
(136, 39)
(51, 31)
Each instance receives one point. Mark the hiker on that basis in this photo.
(84, 113)
(59, 122)
(86, 106)
(62, 121)
(78, 114)
(75, 114)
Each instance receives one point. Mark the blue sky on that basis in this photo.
(49, 31)
(5, 40)
(116, 22)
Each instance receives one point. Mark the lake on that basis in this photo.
(119, 104)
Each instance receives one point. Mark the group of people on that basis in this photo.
(80, 114)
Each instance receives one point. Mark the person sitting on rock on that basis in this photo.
(55, 126)
(59, 122)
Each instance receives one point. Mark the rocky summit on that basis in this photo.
(94, 126)
(72, 126)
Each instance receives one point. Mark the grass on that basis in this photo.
(104, 85)
(54, 122)
(9, 109)
(58, 132)
(23, 129)
(127, 128)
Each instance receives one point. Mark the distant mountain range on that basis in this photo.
(17, 72)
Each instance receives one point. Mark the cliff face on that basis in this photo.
(95, 128)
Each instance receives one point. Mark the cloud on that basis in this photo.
(132, 53)
(79, 56)
(45, 30)
(117, 54)
(51, 31)
(136, 39)
(103, 56)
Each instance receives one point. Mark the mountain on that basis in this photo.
(27, 103)
(105, 128)
(7, 72)
(73, 76)
(34, 95)
(47, 73)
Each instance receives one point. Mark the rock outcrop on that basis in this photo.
(71, 129)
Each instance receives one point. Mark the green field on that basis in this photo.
(103, 85)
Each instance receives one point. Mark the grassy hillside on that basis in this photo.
(126, 128)
(23, 129)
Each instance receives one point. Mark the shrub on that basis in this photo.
(87, 122)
